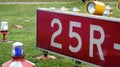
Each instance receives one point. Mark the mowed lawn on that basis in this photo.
(16, 14)
(36, 0)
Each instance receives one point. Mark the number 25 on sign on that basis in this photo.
(72, 34)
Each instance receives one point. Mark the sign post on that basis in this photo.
(89, 38)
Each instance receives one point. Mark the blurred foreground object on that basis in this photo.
(18, 57)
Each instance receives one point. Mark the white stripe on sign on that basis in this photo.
(116, 46)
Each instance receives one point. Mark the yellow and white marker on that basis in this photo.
(108, 11)
(95, 7)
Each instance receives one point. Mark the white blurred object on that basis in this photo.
(16, 64)
(76, 10)
(4, 26)
(107, 11)
(17, 44)
(91, 8)
(63, 8)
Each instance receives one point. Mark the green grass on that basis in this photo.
(15, 14)
(35, 0)
(51, 0)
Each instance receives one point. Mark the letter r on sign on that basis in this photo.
(96, 42)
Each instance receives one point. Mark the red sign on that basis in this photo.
(93, 39)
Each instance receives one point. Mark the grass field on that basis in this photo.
(51, 0)
(15, 14)
(35, 0)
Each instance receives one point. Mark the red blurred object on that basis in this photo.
(18, 62)
(4, 35)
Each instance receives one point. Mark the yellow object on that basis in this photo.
(111, 12)
(95, 7)
(79, 11)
